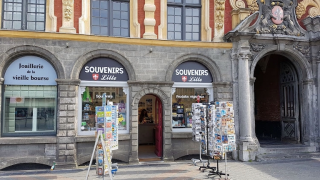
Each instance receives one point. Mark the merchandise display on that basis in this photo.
(106, 122)
(213, 127)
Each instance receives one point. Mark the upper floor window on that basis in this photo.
(184, 20)
(110, 17)
(24, 14)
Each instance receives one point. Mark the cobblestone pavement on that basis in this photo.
(306, 169)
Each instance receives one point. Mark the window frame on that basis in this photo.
(24, 15)
(110, 18)
(189, 85)
(184, 6)
(83, 84)
(27, 133)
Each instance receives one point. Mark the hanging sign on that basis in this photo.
(103, 69)
(192, 72)
(30, 70)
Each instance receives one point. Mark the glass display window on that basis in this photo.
(92, 97)
(182, 100)
(29, 110)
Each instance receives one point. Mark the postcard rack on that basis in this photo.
(213, 127)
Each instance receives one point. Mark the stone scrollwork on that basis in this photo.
(219, 17)
(236, 4)
(257, 47)
(305, 50)
(313, 11)
(68, 9)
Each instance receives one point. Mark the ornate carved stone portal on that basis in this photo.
(277, 17)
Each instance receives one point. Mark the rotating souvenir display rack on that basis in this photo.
(218, 135)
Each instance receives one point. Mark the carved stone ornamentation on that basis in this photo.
(313, 11)
(219, 4)
(236, 4)
(68, 4)
(253, 5)
(305, 50)
(257, 47)
(278, 18)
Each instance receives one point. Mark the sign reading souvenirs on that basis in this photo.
(30, 70)
(192, 72)
(103, 69)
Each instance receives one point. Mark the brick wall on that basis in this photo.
(267, 95)
(141, 16)
(58, 13)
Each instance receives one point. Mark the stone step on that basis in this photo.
(286, 149)
(282, 156)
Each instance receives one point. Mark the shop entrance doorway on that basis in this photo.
(277, 109)
(150, 128)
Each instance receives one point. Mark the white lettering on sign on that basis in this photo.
(107, 96)
(103, 70)
(191, 72)
(186, 96)
(108, 77)
(195, 79)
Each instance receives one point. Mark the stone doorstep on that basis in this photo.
(301, 155)
(286, 150)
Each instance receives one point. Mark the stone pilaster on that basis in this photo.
(219, 7)
(222, 91)
(66, 122)
(67, 17)
(149, 21)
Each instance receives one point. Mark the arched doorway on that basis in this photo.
(277, 107)
(150, 128)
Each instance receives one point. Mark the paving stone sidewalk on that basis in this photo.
(307, 169)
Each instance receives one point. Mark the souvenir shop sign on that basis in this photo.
(30, 70)
(103, 69)
(192, 72)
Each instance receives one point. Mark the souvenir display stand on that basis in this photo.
(107, 139)
(214, 127)
(199, 132)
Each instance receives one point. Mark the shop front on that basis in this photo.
(29, 105)
(192, 84)
(99, 76)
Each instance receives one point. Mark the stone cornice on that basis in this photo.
(162, 83)
(75, 82)
(115, 40)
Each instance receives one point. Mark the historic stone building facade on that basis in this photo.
(52, 53)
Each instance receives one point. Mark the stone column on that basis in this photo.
(244, 96)
(149, 21)
(1, 85)
(66, 120)
(67, 17)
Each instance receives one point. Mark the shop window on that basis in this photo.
(92, 97)
(110, 17)
(24, 14)
(29, 110)
(182, 101)
(184, 20)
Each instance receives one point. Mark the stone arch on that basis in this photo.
(21, 160)
(305, 81)
(300, 62)
(19, 51)
(166, 130)
(206, 61)
(82, 60)
(155, 91)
